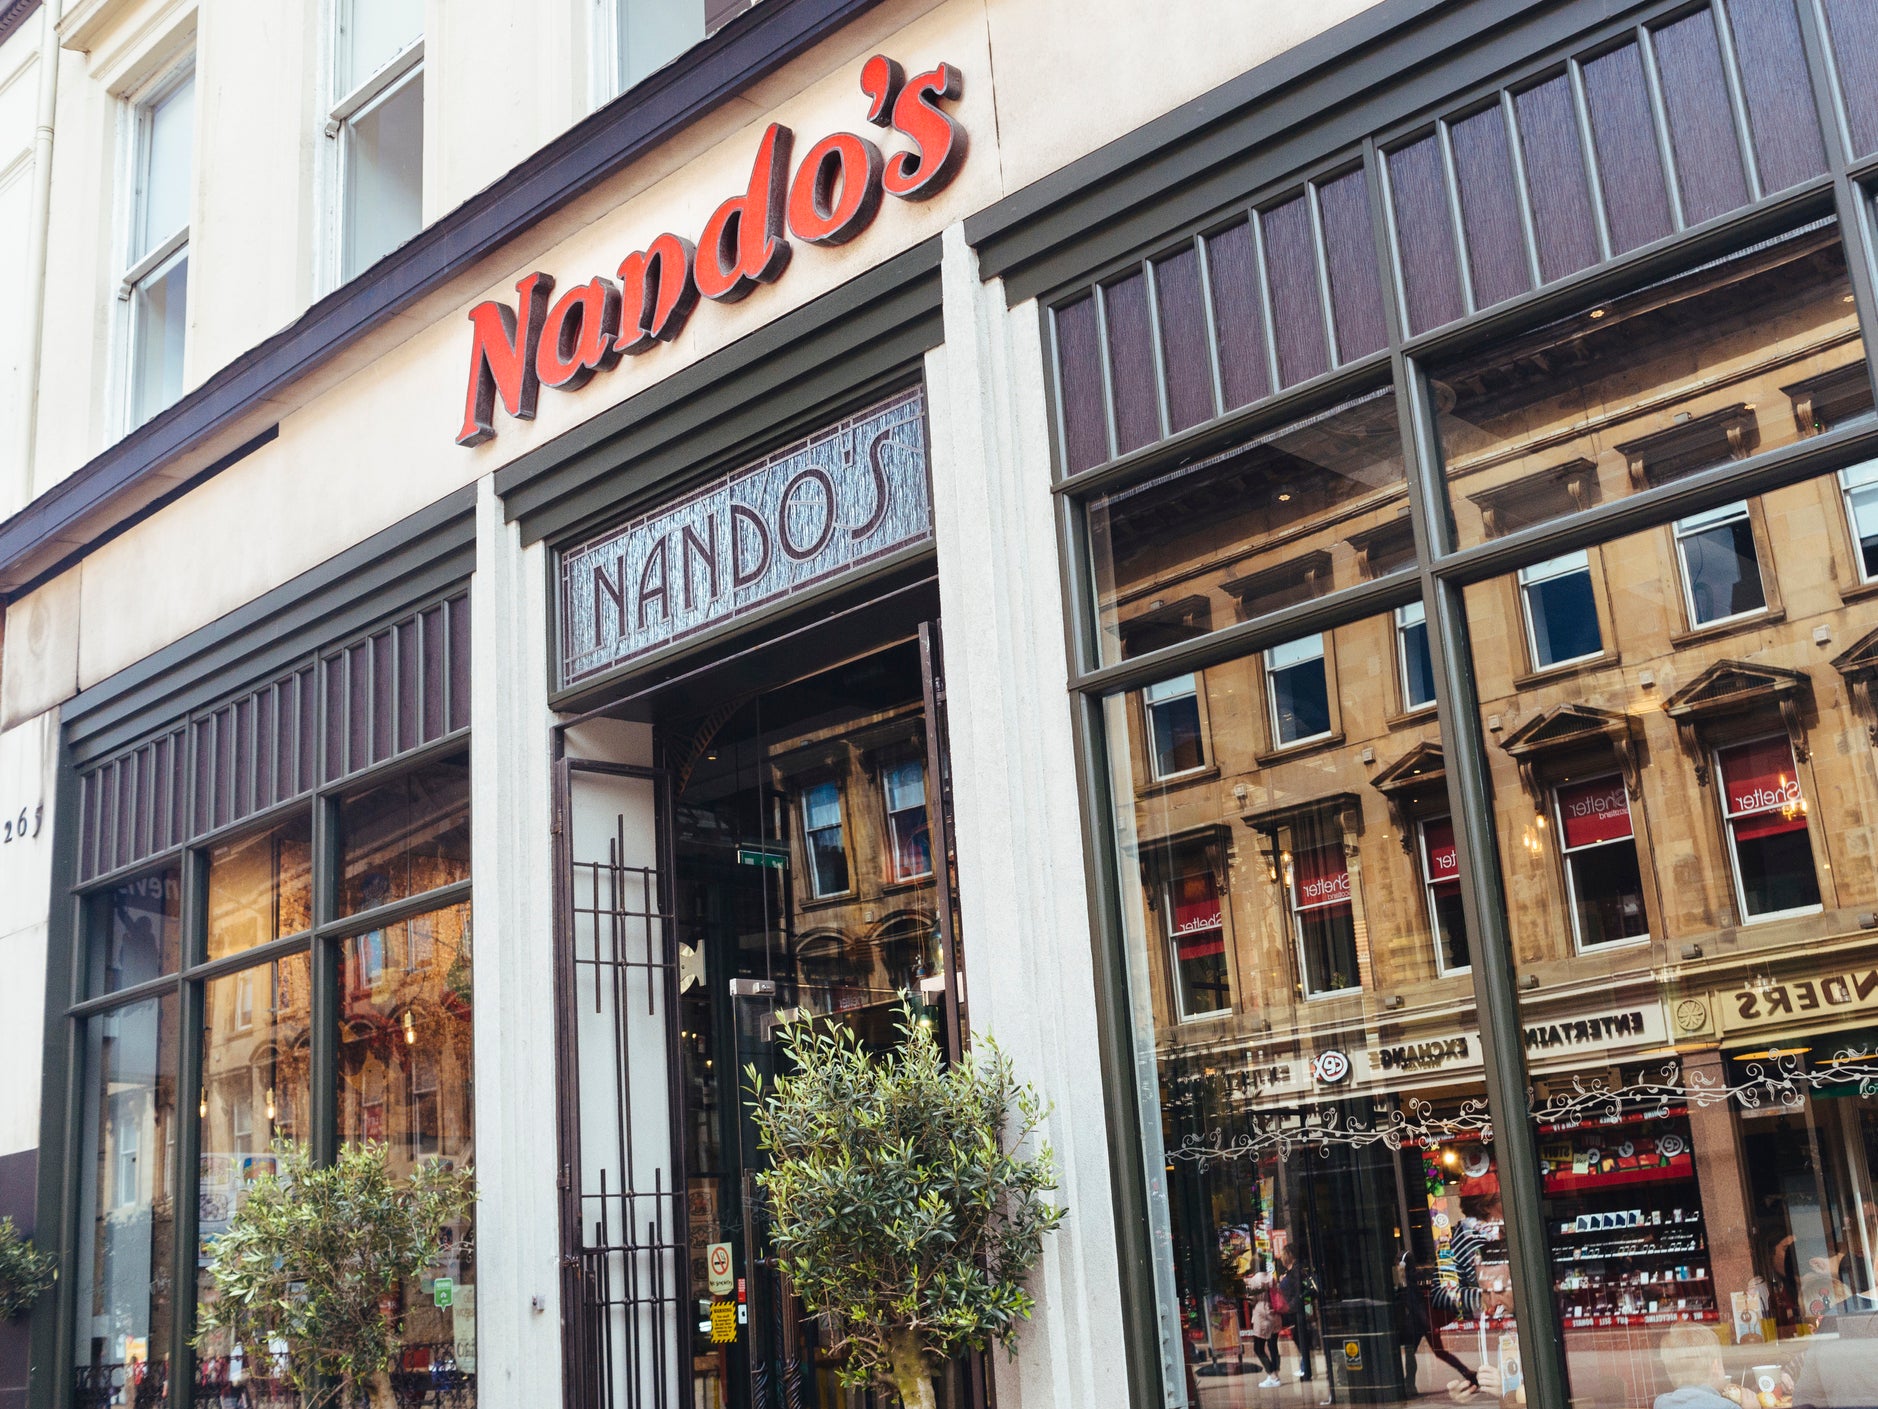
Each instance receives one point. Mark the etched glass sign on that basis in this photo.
(824, 506)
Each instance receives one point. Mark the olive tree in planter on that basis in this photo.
(25, 1272)
(902, 1203)
(310, 1256)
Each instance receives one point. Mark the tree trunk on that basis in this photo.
(912, 1375)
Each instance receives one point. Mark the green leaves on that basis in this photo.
(899, 1203)
(25, 1272)
(309, 1257)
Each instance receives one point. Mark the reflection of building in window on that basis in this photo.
(1196, 935)
(1721, 573)
(1603, 881)
(1767, 833)
(1561, 613)
(1860, 484)
(909, 838)
(1298, 691)
(126, 1145)
(1323, 920)
(1441, 875)
(822, 835)
(1173, 708)
(1418, 671)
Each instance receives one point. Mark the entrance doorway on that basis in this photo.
(777, 853)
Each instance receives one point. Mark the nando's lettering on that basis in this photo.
(814, 510)
(833, 196)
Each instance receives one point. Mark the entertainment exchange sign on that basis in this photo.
(825, 506)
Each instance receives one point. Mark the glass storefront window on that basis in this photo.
(1685, 838)
(1314, 504)
(260, 888)
(1738, 356)
(405, 836)
(126, 1197)
(135, 932)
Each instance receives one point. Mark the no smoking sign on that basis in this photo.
(717, 1264)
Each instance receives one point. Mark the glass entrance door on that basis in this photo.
(808, 849)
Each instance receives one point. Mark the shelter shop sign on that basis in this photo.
(811, 512)
(833, 196)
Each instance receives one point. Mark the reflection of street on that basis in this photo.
(1225, 1385)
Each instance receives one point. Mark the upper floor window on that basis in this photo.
(1441, 874)
(909, 837)
(1561, 612)
(1603, 881)
(651, 33)
(1860, 486)
(1721, 573)
(156, 273)
(1196, 923)
(377, 120)
(1298, 690)
(1173, 708)
(825, 839)
(1324, 921)
(1418, 671)
(1767, 836)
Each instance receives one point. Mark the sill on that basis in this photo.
(1614, 946)
(1331, 993)
(1714, 630)
(1188, 1020)
(828, 902)
(1421, 714)
(1860, 591)
(1564, 670)
(1782, 915)
(1302, 748)
(1204, 772)
(906, 883)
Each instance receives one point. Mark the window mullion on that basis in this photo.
(323, 1078)
(188, 1136)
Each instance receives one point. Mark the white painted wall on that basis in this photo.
(27, 759)
(19, 115)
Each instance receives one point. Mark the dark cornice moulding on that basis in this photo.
(149, 461)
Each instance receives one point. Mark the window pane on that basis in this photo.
(406, 1050)
(384, 176)
(1688, 373)
(371, 34)
(1312, 1095)
(126, 1205)
(1720, 568)
(1418, 671)
(909, 837)
(1682, 833)
(1563, 616)
(134, 932)
(255, 1045)
(406, 836)
(1300, 694)
(906, 786)
(821, 805)
(654, 32)
(168, 132)
(159, 318)
(261, 888)
(1862, 508)
(828, 861)
(1174, 723)
(1447, 918)
(1260, 527)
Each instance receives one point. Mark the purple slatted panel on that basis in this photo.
(1636, 200)
(1297, 307)
(202, 746)
(146, 801)
(1701, 119)
(1425, 235)
(1557, 182)
(242, 771)
(1238, 316)
(91, 812)
(107, 817)
(358, 706)
(1079, 366)
(335, 761)
(434, 692)
(410, 672)
(1490, 220)
(459, 711)
(1781, 115)
(179, 786)
(1131, 363)
(1355, 280)
(162, 794)
(306, 691)
(267, 788)
(384, 701)
(227, 739)
(124, 851)
(1854, 28)
(1178, 290)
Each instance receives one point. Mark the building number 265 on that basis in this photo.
(27, 824)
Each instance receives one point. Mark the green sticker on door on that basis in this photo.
(443, 1291)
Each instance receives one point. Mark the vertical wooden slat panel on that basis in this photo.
(1131, 363)
(162, 784)
(1701, 121)
(459, 616)
(410, 672)
(1557, 182)
(179, 786)
(88, 826)
(126, 771)
(141, 821)
(1853, 25)
(381, 707)
(335, 742)
(1788, 148)
(226, 754)
(358, 707)
(203, 747)
(1079, 368)
(1490, 217)
(1183, 339)
(1355, 281)
(1636, 197)
(434, 638)
(1232, 264)
(107, 818)
(306, 691)
(1297, 307)
(1418, 191)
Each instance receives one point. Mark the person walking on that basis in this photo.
(1292, 1303)
(1263, 1323)
(1419, 1320)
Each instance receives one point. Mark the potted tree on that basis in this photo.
(903, 1206)
(310, 1261)
(25, 1272)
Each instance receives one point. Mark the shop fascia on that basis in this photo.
(833, 196)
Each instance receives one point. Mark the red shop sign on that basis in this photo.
(1322, 878)
(833, 196)
(1198, 919)
(1594, 812)
(1760, 778)
(1443, 863)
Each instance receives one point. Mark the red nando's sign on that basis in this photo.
(833, 196)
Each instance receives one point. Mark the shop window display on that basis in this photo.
(1686, 867)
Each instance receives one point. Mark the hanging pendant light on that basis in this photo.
(410, 1030)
